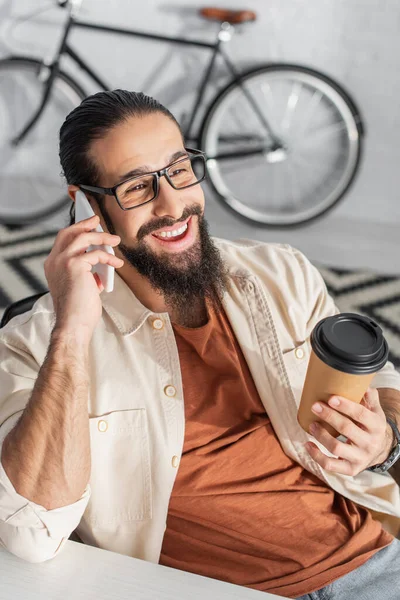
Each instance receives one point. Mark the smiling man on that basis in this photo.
(166, 242)
(159, 421)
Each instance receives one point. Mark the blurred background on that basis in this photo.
(355, 245)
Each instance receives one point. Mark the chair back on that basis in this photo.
(19, 307)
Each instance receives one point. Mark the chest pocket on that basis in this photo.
(121, 472)
(296, 363)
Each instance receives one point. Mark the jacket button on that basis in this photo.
(102, 426)
(299, 352)
(158, 324)
(170, 391)
(175, 461)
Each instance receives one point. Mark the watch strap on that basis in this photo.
(394, 454)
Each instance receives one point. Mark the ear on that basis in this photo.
(72, 189)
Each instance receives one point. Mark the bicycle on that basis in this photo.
(283, 141)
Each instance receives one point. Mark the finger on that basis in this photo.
(93, 238)
(333, 465)
(372, 402)
(359, 413)
(101, 256)
(65, 235)
(343, 424)
(340, 449)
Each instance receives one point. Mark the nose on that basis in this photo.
(169, 202)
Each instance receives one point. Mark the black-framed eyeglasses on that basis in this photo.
(141, 189)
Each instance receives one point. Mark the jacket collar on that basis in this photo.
(123, 308)
(128, 313)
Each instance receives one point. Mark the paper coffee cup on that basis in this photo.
(347, 350)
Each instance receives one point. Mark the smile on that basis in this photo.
(173, 233)
(175, 238)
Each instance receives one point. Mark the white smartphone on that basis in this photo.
(83, 210)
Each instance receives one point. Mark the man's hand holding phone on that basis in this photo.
(75, 290)
(83, 211)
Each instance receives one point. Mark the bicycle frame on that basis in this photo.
(214, 47)
(66, 49)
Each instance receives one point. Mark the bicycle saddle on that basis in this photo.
(231, 16)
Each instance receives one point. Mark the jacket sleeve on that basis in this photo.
(320, 304)
(27, 529)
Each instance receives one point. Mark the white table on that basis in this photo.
(82, 572)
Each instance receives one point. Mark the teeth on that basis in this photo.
(174, 233)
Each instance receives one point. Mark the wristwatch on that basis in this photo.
(394, 454)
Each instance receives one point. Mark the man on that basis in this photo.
(160, 419)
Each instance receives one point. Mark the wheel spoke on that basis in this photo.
(269, 99)
(323, 133)
(310, 161)
(294, 185)
(291, 104)
(310, 112)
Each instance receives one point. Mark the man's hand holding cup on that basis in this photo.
(369, 436)
(347, 350)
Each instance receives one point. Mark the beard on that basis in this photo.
(187, 279)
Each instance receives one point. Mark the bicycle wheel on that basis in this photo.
(31, 187)
(320, 131)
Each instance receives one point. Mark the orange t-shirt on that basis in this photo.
(241, 510)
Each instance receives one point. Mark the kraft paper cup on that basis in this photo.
(347, 351)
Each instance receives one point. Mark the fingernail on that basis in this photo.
(313, 427)
(317, 408)
(334, 401)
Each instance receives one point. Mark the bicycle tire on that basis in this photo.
(33, 66)
(229, 201)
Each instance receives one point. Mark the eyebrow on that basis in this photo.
(144, 170)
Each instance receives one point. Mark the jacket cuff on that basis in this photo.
(18, 511)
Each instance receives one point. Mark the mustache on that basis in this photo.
(156, 224)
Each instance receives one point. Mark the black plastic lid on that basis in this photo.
(350, 343)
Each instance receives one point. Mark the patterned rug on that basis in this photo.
(22, 252)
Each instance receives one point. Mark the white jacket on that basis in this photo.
(136, 406)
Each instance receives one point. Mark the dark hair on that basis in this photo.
(96, 115)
